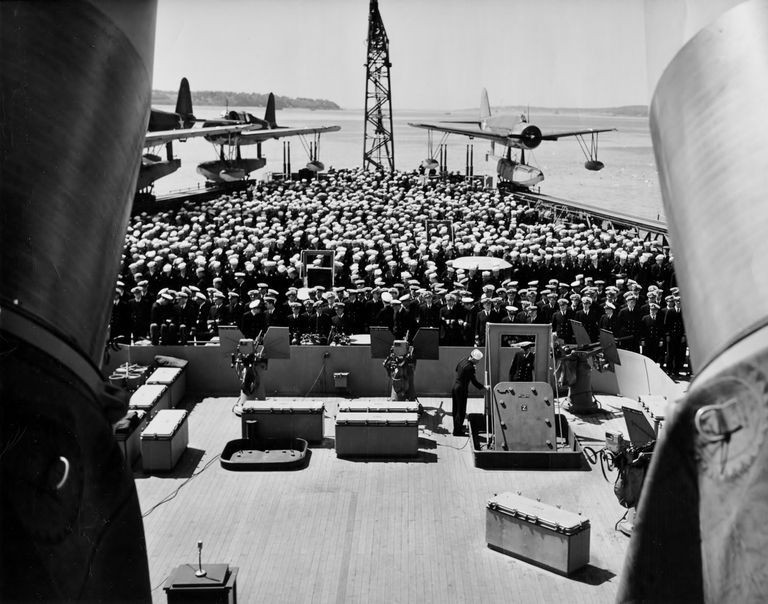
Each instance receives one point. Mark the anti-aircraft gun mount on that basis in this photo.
(576, 363)
(400, 357)
(250, 358)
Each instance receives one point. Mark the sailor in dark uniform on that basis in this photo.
(483, 318)
(628, 325)
(465, 373)
(202, 331)
(652, 334)
(450, 332)
(253, 322)
(548, 307)
(120, 321)
(467, 321)
(319, 322)
(674, 332)
(140, 307)
(608, 320)
(340, 321)
(163, 325)
(589, 317)
(186, 311)
(217, 313)
(234, 310)
(522, 366)
(294, 322)
(428, 312)
(561, 322)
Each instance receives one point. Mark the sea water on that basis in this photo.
(628, 182)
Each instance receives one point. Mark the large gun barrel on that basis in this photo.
(696, 535)
(75, 85)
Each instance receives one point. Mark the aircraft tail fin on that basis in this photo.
(269, 114)
(184, 104)
(485, 106)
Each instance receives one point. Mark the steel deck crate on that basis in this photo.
(288, 418)
(176, 380)
(377, 434)
(150, 398)
(363, 406)
(164, 440)
(537, 532)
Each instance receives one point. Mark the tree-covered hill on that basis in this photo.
(241, 99)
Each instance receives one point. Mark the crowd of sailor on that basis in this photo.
(237, 260)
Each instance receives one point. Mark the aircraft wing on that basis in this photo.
(275, 133)
(553, 136)
(161, 137)
(466, 131)
(503, 138)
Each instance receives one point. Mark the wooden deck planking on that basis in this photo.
(375, 531)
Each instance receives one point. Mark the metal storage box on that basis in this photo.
(128, 434)
(537, 532)
(150, 398)
(289, 418)
(363, 406)
(176, 380)
(377, 434)
(164, 440)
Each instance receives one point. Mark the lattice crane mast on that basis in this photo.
(379, 147)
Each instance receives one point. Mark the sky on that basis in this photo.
(548, 53)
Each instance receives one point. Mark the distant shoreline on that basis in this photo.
(624, 110)
(216, 98)
(241, 99)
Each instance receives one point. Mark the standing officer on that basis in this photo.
(628, 324)
(589, 317)
(140, 309)
(450, 332)
(608, 320)
(652, 334)
(674, 332)
(561, 322)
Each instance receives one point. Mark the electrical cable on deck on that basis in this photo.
(168, 498)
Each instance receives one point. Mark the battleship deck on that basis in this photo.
(372, 530)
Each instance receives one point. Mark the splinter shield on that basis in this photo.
(426, 343)
(229, 338)
(381, 342)
(276, 343)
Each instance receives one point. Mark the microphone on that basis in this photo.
(200, 572)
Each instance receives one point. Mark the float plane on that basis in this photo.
(513, 132)
(165, 127)
(231, 165)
